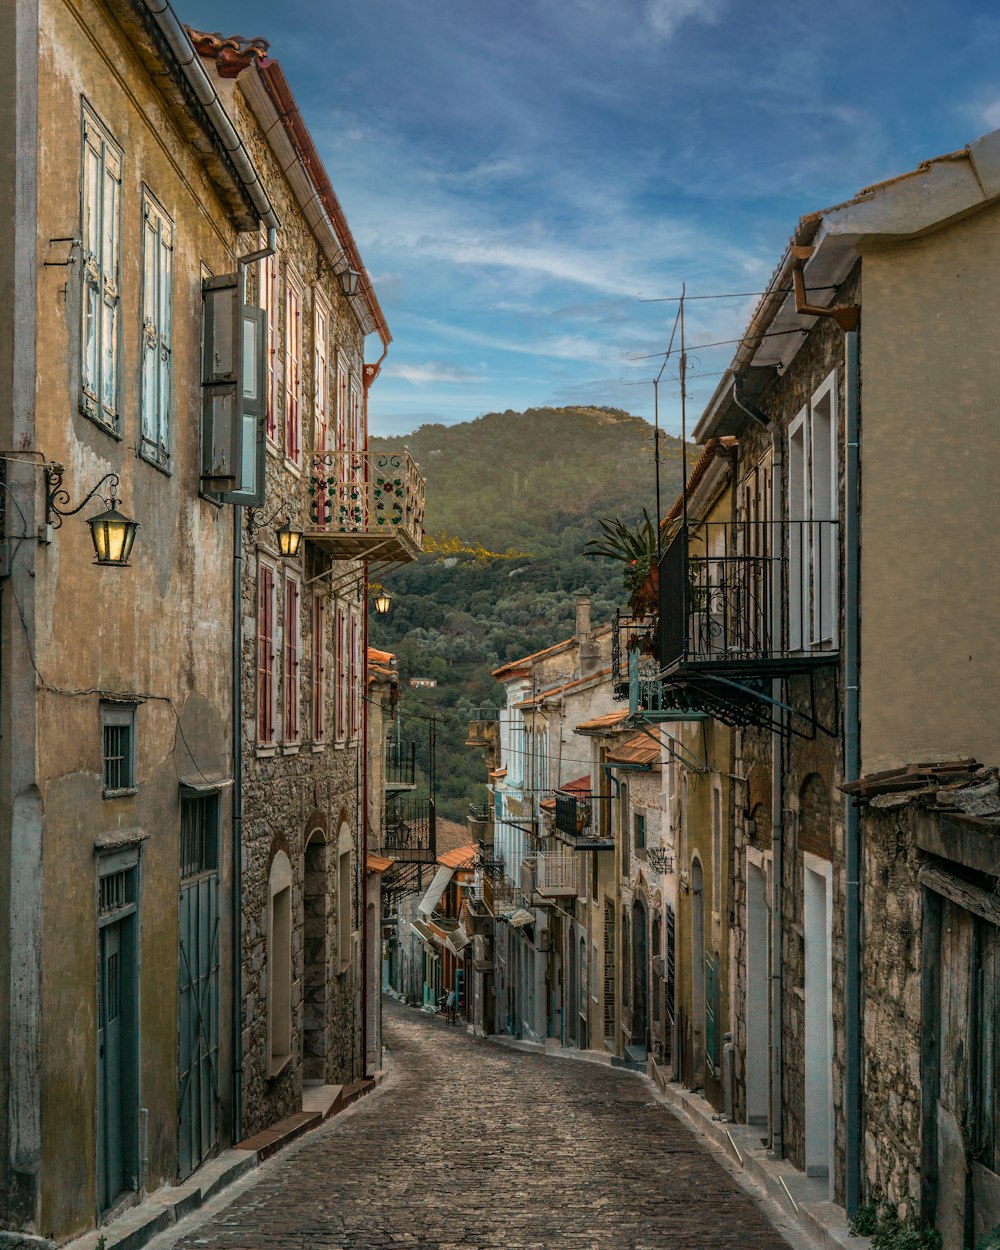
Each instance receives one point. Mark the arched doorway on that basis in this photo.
(572, 1012)
(640, 977)
(316, 959)
(697, 975)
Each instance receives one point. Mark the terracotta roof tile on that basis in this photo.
(460, 857)
(609, 721)
(639, 749)
(580, 786)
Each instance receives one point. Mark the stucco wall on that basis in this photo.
(930, 521)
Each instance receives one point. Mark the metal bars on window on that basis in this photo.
(199, 834)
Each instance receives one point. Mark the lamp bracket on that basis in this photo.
(254, 525)
(56, 497)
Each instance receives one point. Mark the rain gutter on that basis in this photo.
(191, 67)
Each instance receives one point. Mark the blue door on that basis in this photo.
(117, 1038)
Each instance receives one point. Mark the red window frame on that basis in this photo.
(319, 669)
(293, 373)
(265, 655)
(291, 660)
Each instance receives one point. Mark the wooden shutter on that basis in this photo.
(265, 654)
(291, 641)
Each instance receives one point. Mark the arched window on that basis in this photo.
(345, 898)
(279, 963)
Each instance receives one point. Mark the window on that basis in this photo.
(354, 680)
(321, 381)
(639, 830)
(199, 834)
(157, 276)
(266, 654)
(812, 508)
(357, 418)
(319, 670)
(340, 691)
(118, 748)
(293, 372)
(279, 964)
(342, 439)
(102, 183)
(268, 300)
(623, 818)
(291, 665)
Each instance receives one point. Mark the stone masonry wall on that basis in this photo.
(891, 956)
(307, 788)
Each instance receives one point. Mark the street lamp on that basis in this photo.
(111, 531)
(348, 279)
(288, 540)
(382, 602)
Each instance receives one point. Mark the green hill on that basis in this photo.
(534, 483)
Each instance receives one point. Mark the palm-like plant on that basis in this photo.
(636, 549)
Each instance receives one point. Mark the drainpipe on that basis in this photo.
(852, 771)
(237, 734)
(365, 936)
(206, 95)
(777, 843)
(237, 846)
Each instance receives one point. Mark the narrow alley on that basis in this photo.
(473, 1145)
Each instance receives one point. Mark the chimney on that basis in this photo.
(589, 652)
(583, 618)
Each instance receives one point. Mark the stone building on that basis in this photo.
(119, 991)
(305, 914)
(811, 637)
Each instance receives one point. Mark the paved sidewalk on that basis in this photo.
(470, 1146)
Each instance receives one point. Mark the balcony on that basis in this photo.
(409, 833)
(484, 733)
(400, 766)
(556, 875)
(364, 506)
(635, 671)
(743, 603)
(583, 822)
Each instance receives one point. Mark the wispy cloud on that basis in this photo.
(665, 16)
(433, 371)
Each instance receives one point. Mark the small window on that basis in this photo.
(199, 834)
(639, 829)
(118, 748)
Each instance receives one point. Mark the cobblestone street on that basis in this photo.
(472, 1145)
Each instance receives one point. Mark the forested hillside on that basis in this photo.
(512, 498)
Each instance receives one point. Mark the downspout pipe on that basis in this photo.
(206, 95)
(852, 771)
(777, 837)
(366, 937)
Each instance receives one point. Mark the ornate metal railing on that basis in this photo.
(369, 492)
(400, 764)
(633, 643)
(742, 593)
(409, 830)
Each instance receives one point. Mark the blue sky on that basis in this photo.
(517, 172)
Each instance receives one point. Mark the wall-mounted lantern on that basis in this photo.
(348, 279)
(111, 531)
(383, 601)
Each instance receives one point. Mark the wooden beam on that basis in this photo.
(969, 897)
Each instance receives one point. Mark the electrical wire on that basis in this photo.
(671, 299)
(770, 334)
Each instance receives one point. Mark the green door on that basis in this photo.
(117, 1039)
(198, 986)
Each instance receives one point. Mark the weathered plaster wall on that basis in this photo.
(930, 521)
(159, 631)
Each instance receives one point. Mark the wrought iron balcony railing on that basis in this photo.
(365, 505)
(409, 831)
(584, 821)
(756, 599)
(400, 765)
(633, 644)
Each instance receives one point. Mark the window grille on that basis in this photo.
(116, 891)
(118, 749)
(199, 834)
(609, 968)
